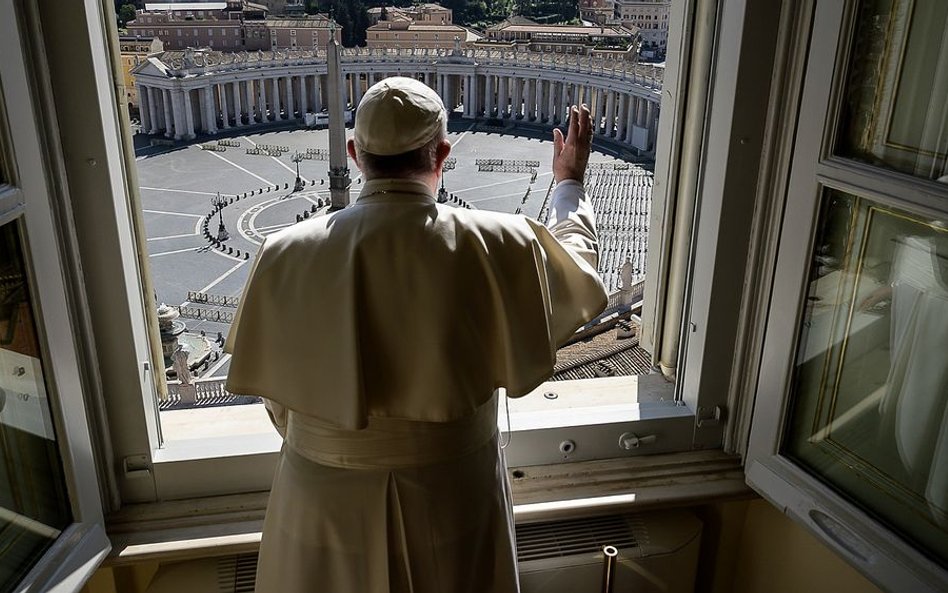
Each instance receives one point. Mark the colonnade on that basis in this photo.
(208, 101)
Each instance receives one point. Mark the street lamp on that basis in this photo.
(298, 186)
(218, 203)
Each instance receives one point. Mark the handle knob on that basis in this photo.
(630, 440)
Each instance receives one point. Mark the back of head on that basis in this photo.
(398, 126)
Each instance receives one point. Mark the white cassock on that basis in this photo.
(378, 336)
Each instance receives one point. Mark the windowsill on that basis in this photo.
(229, 431)
(226, 525)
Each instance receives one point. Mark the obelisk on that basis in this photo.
(338, 161)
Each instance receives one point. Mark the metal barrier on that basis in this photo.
(213, 147)
(231, 143)
(206, 314)
(220, 300)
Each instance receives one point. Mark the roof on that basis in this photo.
(570, 30)
(603, 355)
(313, 22)
(185, 6)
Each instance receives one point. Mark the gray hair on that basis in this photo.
(422, 160)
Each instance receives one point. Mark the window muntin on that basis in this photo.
(34, 503)
(893, 108)
(870, 404)
(852, 240)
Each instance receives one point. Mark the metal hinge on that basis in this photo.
(708, 417)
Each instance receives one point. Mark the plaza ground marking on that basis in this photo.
(499, 183)
(173, 213)
(274, 226)
(223, 276)
(278, 161)
(180, 191)
(463, 134)
(173, 252)
(173, 236)
(229, 162)
(497, 197)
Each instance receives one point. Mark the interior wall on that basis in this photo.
(776, 555)
(747, 547)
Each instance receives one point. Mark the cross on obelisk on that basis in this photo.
(338, 162)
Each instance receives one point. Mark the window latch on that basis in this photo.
(708, 417)
(630, 440)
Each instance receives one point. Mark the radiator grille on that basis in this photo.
(539, 541)
(237, 574)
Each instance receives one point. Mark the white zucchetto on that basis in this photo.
(397, 115)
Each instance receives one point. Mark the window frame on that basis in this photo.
(148, 473)
(872, 548)
(31, 198)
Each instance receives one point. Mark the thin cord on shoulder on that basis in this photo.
(505, 442)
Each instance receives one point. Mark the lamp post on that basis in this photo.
(298, 186)
(218, 203)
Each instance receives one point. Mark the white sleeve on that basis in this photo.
(573, 222)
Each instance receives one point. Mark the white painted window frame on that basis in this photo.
(876, 551)
(31, 199)
(114, 265)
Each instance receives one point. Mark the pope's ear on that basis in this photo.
(444, 149)
(351, 149)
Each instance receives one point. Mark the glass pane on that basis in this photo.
(895, 110)
(34, 504)
(227, 162)
(870, 401)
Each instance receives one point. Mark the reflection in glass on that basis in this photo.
(895, 108)
(870, 393)
(34, 505)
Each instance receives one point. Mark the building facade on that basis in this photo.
(231, 26)
(185, 93)
(429, 13)
(132, 51)
(522, 34)
(650, 18)
(601, 12)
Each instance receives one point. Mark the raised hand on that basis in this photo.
(571, 154)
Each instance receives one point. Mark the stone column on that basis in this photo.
(610, 112)
(551, 101)
(238, 117)
(629, 119)
(261, 89)
(248, 100)
(224, 103)
(304, 96)
(356, 80)
(274, 99)
(168, 115)
(563, 110)
(143, 114)
(288, 96)
(488, 95)
(209, 122)
(152, 111)
(623, 114)
(503, 97)
(532, 98)
(177, 112)
(466, 96)
(318, 93)
(188, 115)
(651, 122)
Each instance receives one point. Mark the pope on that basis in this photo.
(380, 337)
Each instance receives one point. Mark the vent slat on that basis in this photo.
(539, 541)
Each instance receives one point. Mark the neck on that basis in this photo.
(432, 180)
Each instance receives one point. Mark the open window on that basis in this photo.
(849, 428)
(716, 70)
(52, 534)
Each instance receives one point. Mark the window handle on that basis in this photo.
(630, 440)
